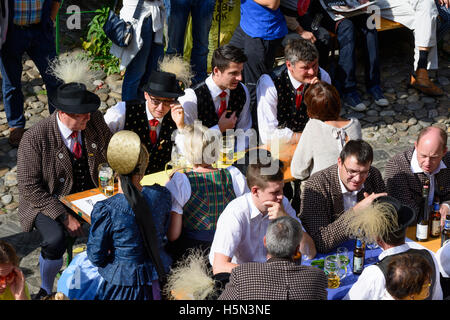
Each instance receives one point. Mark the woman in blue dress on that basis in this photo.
(127, 234)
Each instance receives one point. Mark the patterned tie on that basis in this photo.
(299, 97)
(153, 124)
(76, 148)
(223, 103)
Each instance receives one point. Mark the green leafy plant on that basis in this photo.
(97, 44)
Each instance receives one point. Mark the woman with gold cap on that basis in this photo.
(127, 230)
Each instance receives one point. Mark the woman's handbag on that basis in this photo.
(118, 30)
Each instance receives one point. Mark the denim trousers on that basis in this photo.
(443, 22)
(346, 30)
(139, 69)
(39, 43)
(177, 16)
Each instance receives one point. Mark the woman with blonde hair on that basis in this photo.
(200, 195)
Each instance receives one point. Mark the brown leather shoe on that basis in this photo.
(15, 135)
(423, 83)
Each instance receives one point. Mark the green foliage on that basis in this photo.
(97, 44)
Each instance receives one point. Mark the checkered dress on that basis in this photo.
(276, 279)
(406, 186)
(322, 206)
(210, 194)
(44, 166)
(27, 12)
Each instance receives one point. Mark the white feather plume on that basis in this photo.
(70, 68)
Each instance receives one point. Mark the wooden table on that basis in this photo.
(69, 199)
(432, 244)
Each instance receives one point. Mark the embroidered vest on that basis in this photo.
(384, 263)
(210, 194)
(287, 114)
(136, 120)
(82, 179)
(206, 111)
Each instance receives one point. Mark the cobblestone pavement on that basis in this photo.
(389, 130)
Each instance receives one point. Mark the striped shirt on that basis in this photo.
(27, 12)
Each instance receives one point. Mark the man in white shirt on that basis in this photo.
(151, 118)
(222, 101)
(429, 159)
(281, 110)
(421, 16)
(243, 224)
(371, 284)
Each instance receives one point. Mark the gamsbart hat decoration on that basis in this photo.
(72, 96)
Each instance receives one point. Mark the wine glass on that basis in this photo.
(331, 267)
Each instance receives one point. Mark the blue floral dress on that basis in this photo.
(115, 245)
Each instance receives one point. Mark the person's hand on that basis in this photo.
(275, 209)
(307, 36)
(443, 210)
(18, 285)
(177, 113)
(307, 246)
(368, 199)
(73, 226)
(445, 3)
(227, 123)
(314, 80)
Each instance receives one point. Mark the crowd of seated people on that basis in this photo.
(240, 219)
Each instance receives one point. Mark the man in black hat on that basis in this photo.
(371, 284)
(151, 118)
(58, 156)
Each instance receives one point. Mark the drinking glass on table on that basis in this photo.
(227, 148)
(106, 179)
(331, 267)
(343, 260)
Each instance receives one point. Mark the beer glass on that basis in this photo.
(331, 267)
(106, 179)
(343, 260)
(227, 149)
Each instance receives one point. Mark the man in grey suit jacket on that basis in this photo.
(352, 183)
(280, 278)
(58, 156)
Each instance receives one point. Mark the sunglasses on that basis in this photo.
(7, 278)
(165, 103)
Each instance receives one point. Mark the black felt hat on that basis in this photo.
(73, 97)
(405, 215)
(163, 84)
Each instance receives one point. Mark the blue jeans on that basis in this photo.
(177, 16)
(345, 74)
(39, 43)
(443, 22)
(139, 69)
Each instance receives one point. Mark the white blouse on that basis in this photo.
(180, 188)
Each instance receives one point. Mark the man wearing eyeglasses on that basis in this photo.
(352, 183)
(154, 119)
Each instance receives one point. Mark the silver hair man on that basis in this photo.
(283, 237)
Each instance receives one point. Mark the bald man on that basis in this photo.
(406, 172)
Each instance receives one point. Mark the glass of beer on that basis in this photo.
(106, 179)
(331, 267)
(227, 149)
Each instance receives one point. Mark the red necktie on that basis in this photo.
(76, 148)
(299, 96)
(223, 103)
(153, 124)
